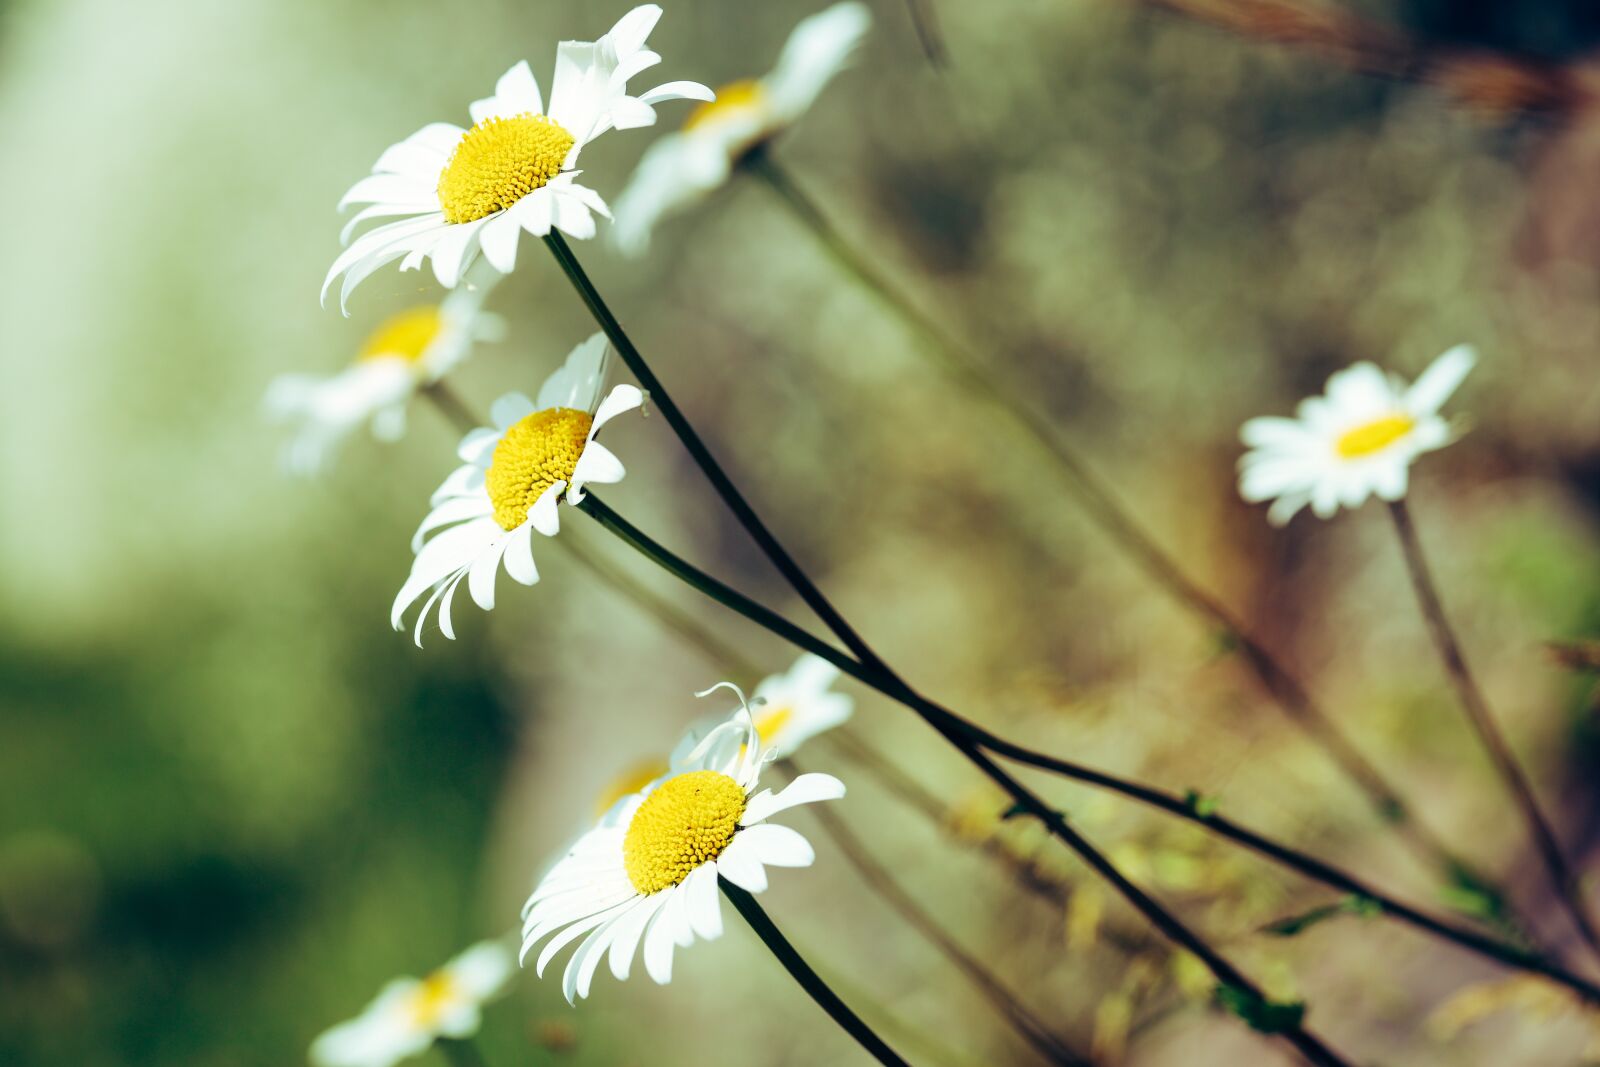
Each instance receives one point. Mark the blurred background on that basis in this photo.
(233, 803)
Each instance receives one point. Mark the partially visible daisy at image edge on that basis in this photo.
(470, 190)
(646, 878)
(408, 351)
(1357, 440)
(409, 1014)
(514, 475)
(684, 167)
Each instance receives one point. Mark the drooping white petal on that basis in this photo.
(741, 866)
(805, 789)
(1443, 376)
(778, 846)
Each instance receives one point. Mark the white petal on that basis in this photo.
(704, 901)
(658, 943)
(1443, 376)
(778, 846)
(499, 242)
(519, 556)
(805, 789)
(630, 930)
(545, 515)
(485, 568)
(739, 865)
(509, 410)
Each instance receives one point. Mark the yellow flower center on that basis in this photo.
(733, 100)
(406, 335)
(686, 821)
(771, 721)
(498, 162)
(430, 999)
(1373, 436)
(532, 456)
(630, 781)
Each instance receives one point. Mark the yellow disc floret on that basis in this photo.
(688, 820)
(432, 996)
(736, 100)
(1374, 436)
(498, 162)
(532, 456)
(406, 335)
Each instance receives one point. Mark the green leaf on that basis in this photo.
(1470, 895)
(1354, 904)
(1202, 805)
(1259, 1013)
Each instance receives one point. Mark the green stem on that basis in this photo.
(1027, 1025)
(462, 1052)
(946, 721)
(966, 737)
(1290, 695)
(1477, 711)
(802, 973)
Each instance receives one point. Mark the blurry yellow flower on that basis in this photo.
(681, 168)
(410, 1013)
(407, 351)
(1357, 440)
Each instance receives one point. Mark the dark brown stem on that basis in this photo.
(1477, 711)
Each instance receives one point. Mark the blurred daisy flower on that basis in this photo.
(1358, 439)
(465, 190)
(408, 351)
(647, 874)
(512, 479)
(681, 168)
(790, 709)
(410, 1013)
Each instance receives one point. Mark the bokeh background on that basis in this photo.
(233, 803)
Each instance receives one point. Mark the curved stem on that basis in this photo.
(808, 979)
(1097, 501)
(965, 737)
(944, 720)
(1482, 720)
(1027, 1025)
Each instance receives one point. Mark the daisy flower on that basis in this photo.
(681, 168)
(1356, 440)
(410, 1013)
(465, 190)
(647, 874)
(512, 479)
(409, 350)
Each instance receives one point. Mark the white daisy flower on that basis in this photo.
(680, 169)
(647, 875)
(790, 709)
(409, 350)
(512, 479)
(410, 1013)
(1358, 439)
(463, 190)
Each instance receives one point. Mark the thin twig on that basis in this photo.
(1482, 720)
(1027, 1025)
(925, 20)
(802, 973)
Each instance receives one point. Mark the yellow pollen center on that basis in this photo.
(630, 781)
(733, 99)
(770, 723)
(431, 998)
(406, 335)
(686, 821)
(1373, 436)
(498, 162)
(532, 456)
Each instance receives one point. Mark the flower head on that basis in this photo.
(457, 191)
(681, 168)
(1358, 439)
(409, 350)
(510, 484)
(647, 874)
(410, 1013)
